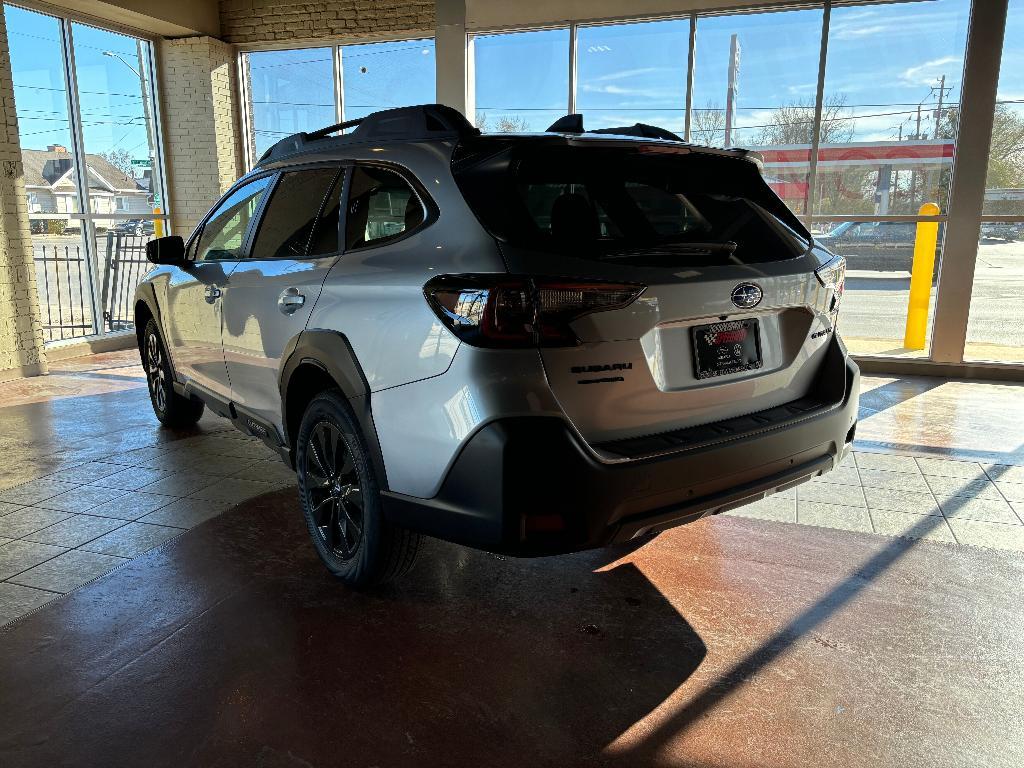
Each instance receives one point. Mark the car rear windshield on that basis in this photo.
(635, 203)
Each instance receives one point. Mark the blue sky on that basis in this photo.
(882, 61)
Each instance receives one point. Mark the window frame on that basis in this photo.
(341, 174)
(430, 209)
(81, 215)
(192, 243)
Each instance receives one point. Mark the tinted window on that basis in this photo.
(291, 215)
(327, 232)
(638, 204)
(381, 207)
(225, 230)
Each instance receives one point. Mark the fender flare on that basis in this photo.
(146, 293)
(331, 352)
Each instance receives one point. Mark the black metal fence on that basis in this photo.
(65, 290)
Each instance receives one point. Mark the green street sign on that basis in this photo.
(143, 163)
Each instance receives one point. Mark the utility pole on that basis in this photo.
(942, 89)
(734, 87)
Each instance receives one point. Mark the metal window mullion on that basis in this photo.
(157, 173)
(691, 62)
(339, 84)
(812, 171)
(572, 67)
(245, 100)
(81, 171)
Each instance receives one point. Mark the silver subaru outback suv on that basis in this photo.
(531, 344)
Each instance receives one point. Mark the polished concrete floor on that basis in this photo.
(215, 638)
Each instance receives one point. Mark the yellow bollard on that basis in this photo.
(158, 224)
(921, 278)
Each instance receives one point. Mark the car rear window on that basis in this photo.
(626, 202)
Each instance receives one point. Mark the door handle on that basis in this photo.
(212, 293)
(290, 300)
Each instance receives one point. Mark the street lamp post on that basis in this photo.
(150, 138)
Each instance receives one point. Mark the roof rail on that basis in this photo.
(425, 121)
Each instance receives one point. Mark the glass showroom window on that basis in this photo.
(522, 79)
(995, 330)
(633, 73)
(286, 92)
(888, 136)
(88, 238)
(754, 87)
(384, 75)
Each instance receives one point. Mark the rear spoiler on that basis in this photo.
(573, 123)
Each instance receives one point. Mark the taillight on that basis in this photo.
(833, 275)
(519, 311)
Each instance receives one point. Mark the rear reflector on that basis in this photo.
(521, 311)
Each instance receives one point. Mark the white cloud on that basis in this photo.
(655, 94)
(851, 32)
(928, 72)
(627, 73)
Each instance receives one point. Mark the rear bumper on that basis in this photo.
(529, 486)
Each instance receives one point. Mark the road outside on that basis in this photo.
(875, 308)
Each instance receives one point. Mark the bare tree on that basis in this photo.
(120, 159)
(707, 125)
(794, 123)
(505, 124)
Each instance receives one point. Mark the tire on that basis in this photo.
(170, 408)
(340, 497)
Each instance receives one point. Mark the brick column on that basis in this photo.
(201, 125)
(21, 336)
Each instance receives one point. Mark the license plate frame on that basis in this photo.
(719, 351)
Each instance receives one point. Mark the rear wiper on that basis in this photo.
(675, 249)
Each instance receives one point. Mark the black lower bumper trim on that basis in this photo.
(528, 486)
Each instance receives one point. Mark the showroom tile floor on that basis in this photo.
(98, 483)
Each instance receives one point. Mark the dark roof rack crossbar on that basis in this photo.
(425, 121)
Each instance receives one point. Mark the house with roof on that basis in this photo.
(50, 185)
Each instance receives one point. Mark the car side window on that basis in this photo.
(381, 207)
(224, 232)
(291, 214)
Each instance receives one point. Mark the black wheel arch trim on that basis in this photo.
(331, 352)
(146, 294)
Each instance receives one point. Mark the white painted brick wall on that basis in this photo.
(201, 125)
(257, 21)
(21, 336)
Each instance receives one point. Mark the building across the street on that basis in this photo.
(50, 184)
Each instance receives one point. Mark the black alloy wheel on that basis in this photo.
(335, 495)
(172, 409)
(339, 488)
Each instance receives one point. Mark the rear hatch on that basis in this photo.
(731, 318)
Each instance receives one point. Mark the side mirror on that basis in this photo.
(166, 250)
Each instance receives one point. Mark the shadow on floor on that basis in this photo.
(231, 646)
